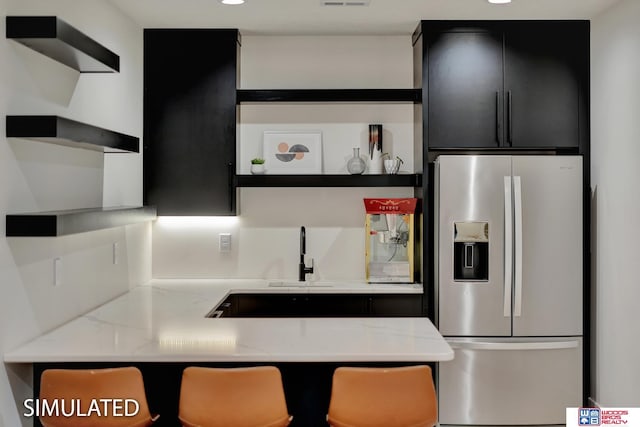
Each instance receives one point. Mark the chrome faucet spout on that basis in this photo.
(302, 268)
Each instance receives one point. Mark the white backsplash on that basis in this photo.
(266, 236)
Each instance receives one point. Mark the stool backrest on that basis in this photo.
(235, 397)
(383, 397)
(73, 398)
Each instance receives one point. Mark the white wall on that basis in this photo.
(36, 176)
(615, 113)
(266, 232)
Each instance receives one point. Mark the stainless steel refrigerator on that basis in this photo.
(508, 237)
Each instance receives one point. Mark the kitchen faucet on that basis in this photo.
(302, 268)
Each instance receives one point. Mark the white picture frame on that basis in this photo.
(292, 152)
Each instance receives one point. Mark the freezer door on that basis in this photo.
(548, 245)
(473, 189)
(510, 381)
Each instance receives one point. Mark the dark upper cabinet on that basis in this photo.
(507, 84)
(190, 120)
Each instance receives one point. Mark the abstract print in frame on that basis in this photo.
(293, 152)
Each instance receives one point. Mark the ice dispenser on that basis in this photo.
(390, 240)
(471, 251)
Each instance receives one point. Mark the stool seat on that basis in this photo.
(383, 397)
(233, 397)
(112, 397)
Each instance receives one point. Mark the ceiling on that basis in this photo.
(382, 17)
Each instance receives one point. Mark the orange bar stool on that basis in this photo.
(383, 397)
(235, 397)
(93, 398)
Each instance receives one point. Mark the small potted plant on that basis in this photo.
(391, 166)
(257, 166)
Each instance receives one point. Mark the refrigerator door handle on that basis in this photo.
(513, 346)
(517, 297)
(508, 245)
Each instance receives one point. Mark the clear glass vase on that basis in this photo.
(356, 164)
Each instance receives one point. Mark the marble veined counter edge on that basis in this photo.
(164, 321)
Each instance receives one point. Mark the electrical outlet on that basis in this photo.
(224, 242)
(115, 253)
(57, 270)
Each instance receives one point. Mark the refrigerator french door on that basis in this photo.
(509, 288)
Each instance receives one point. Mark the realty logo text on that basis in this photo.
(597, 417)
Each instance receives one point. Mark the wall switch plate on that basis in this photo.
(224, 242)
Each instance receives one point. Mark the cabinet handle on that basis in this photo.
(509, 119)
(232, 187)
(498, 118)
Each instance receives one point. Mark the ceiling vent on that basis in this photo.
(346, 2)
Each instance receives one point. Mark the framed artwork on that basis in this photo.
(292, 152)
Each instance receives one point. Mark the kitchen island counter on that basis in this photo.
(165, 321)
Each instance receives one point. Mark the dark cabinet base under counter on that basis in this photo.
(319, 305)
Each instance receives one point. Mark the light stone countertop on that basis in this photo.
(164, 321)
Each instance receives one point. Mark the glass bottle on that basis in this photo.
(356, 164)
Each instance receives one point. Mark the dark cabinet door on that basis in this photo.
(269, 305)
(396, 305)
(464, 88)
(190, 121)
(336, 305)
(544, 66)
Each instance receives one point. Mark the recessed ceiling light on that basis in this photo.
(499, 1)
(232, 2)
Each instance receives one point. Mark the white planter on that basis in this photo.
(257, 169)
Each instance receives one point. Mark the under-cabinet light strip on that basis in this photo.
(197, 221)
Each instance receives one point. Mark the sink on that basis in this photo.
(282, 284)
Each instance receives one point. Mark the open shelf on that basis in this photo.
(61, 131)
(61, 223)
(329, 95)
(58, 40)
(399, 180)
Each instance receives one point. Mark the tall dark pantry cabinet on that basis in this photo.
(190, 120)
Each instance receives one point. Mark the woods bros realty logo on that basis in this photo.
(603, 416)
